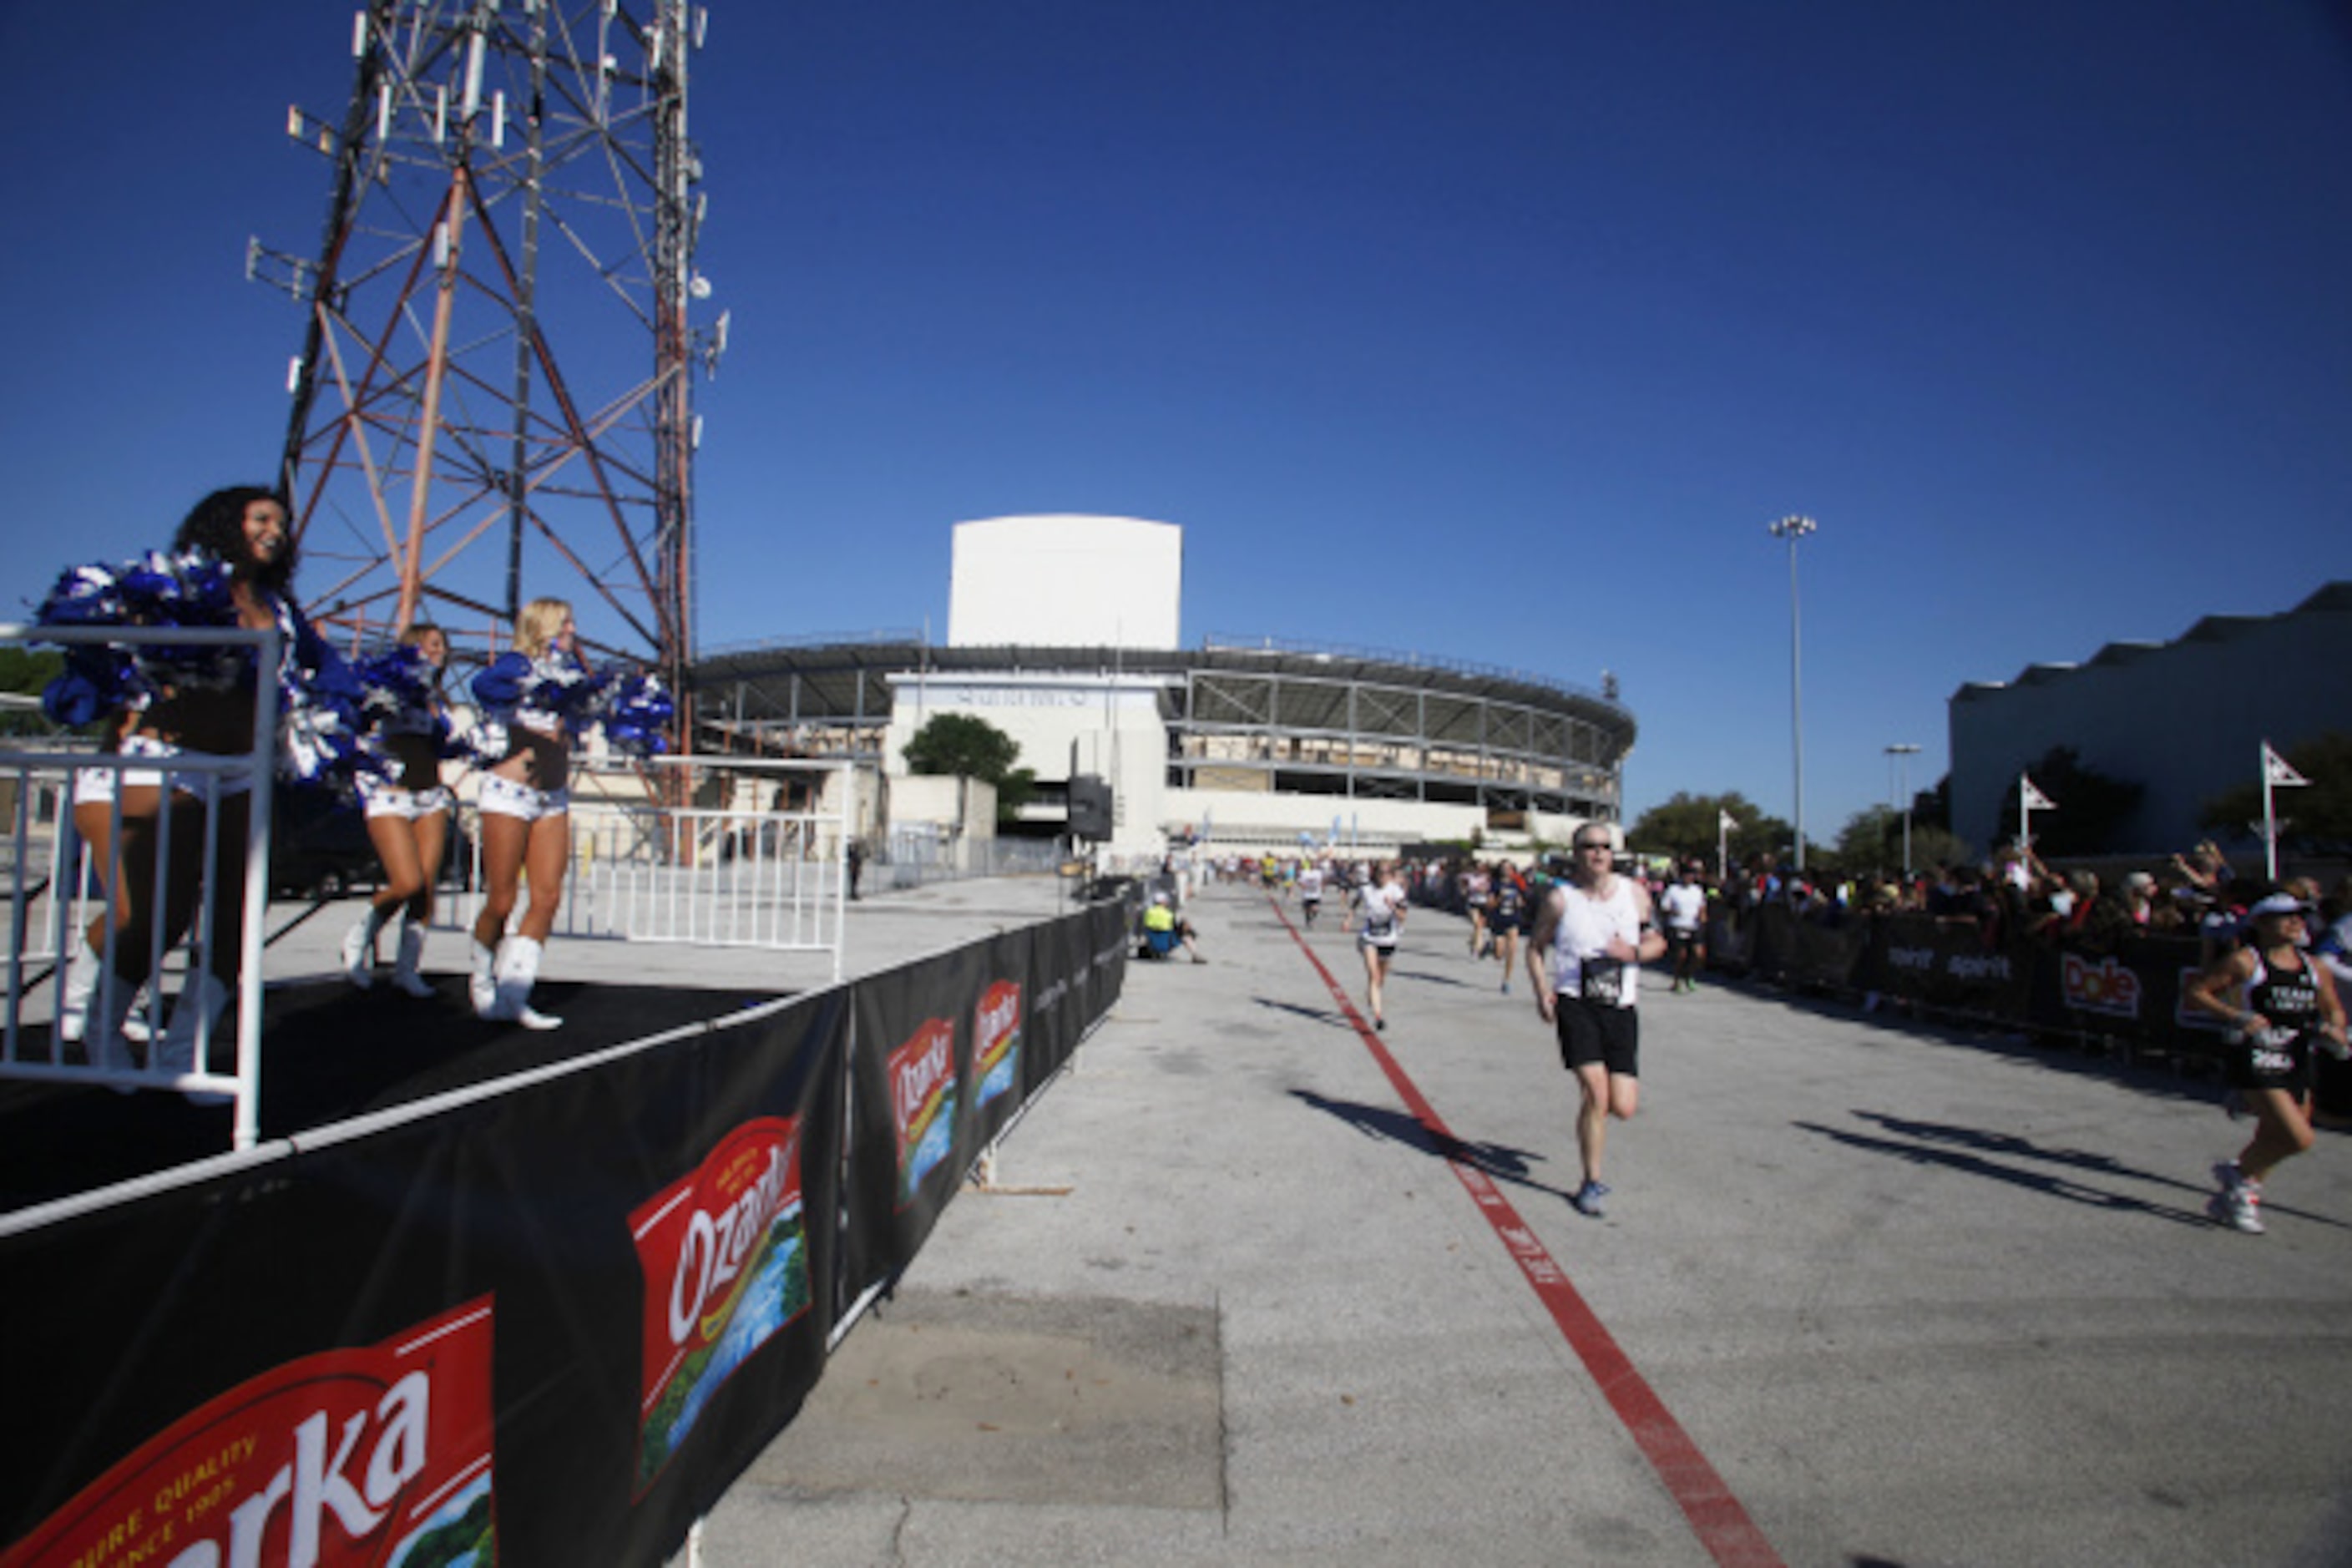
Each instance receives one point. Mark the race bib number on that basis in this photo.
(1604, 981)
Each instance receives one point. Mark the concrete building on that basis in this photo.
(2185, 719)
(1064, 633)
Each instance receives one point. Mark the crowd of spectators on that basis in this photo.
(2196, 894)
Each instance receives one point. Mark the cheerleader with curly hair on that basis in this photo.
(233, 565)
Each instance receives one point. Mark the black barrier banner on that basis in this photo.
(999, 1037)
(1944, 963)
(910, 1140)
(543, 1326)
(1060, 986)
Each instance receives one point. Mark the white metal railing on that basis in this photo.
(921, 853)
(742, 872)
(51, 902)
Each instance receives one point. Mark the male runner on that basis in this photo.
(1593, 934)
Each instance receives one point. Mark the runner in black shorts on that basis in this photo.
(2282, 1005)
(1506, 916)
(1592, 937)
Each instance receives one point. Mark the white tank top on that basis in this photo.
(1580, 964)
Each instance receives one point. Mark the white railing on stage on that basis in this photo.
(727, 867)
(51, 880)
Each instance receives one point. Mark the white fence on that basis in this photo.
(731, 867)
(55, 894)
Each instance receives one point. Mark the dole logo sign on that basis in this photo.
(923, 1102)
(724, 1253)
(2106, 986)
(375, 1455)
(996, 1039)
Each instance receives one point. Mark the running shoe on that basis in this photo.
(1587, 1199)
(2239, 1209)
(2239, 1203)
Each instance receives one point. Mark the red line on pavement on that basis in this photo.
(1722, 1525)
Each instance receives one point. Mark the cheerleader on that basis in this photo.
(539, 692)
(407, 809)
(233, 565)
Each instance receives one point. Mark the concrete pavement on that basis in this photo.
(1910, 1296)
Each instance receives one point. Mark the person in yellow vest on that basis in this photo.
(1160, 918)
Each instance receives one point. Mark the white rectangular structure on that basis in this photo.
(1065, 581)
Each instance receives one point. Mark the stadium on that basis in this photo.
(1063, 633)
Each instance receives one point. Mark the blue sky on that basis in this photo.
(1495, 330)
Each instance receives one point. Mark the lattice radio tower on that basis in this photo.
(493, 402)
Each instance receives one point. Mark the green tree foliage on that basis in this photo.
(2091, 809)
(1685, 826)
(26, 672)
(2318, 815)
(1871, 840)
(1931, 808)
(962, 744)
(967, 746)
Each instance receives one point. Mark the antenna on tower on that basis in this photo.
(512, 195)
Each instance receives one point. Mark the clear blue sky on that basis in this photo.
(1492, 328)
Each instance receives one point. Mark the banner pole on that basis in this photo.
(2270, 819)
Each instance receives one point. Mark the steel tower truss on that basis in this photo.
(493, 400)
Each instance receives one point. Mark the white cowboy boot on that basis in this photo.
(411, 954)
(359, 947)
(202, 1002)
(518, 971)
(75, 985)
(481, 982)
(96, 1004)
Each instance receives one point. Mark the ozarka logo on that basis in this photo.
(375, 1455)
(725, 1258)
(2106, 986)
(923, 1102)
(996, 1039)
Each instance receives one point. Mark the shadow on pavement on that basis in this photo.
(1316, 1014)
(1951, 1148)
(1499, 1161)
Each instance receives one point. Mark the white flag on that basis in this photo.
(1723, 820)
(2032, 796)
(2276, 770)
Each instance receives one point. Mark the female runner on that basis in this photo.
(2281, 1005)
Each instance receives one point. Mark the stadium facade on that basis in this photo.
(1064, 633)
(2186, 719)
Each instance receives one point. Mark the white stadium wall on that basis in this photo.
(1065, 581)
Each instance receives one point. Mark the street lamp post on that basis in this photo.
(1906, 753)
(1792, 529)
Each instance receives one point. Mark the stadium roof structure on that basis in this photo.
(1291, 716)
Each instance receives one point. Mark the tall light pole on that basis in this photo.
(1792, 529)
(1906, 753)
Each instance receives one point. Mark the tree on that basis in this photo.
(1871, 840)
(2091, 808)
(1931, 808)
(964, 745)
(967, 746)
(2318, 815)
(1685, 825)
(25, 672)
